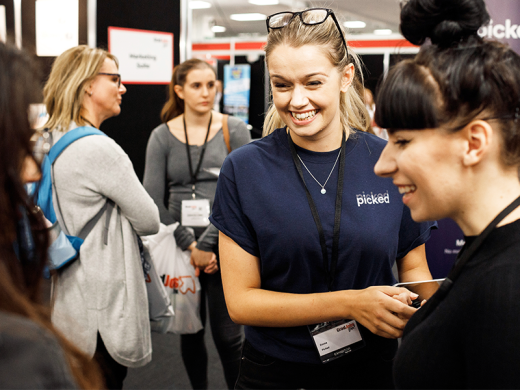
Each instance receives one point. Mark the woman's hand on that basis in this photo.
(376, 309)
(406, 297)
(202, 259)
(213, 266)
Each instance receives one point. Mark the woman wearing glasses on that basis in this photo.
(100, 299)
(308, 232)
(454, 149)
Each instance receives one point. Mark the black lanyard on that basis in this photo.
(463, 257)
(337, 214)
(193, 175)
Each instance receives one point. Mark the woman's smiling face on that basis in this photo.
(425, 165)
(306, 90)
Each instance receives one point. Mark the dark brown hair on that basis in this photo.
(175, 105)
(21, 273)
(457, 78)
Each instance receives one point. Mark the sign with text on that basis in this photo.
(237, 83)
(145, 57)
(443, 247)
(57, 26)
(505, 22)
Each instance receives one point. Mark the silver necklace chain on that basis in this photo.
(323, 190)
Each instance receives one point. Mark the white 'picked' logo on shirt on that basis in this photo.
(372, 198)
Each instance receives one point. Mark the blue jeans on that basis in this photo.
(260, 371)
(226, 334)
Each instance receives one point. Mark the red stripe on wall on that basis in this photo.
(211, 46)
(249, 45)
(260, 45)
(382, 43)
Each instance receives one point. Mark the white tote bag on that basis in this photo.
(178, 276)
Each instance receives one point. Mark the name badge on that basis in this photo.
(336, 338)
(195, 212)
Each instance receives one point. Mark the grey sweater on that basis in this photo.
(104, 290)
(167, 169)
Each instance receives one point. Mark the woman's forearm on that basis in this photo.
(249, 304)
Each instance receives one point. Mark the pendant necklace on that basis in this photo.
(323, 190)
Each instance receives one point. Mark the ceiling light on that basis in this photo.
(355, 24)
(248, 17)
(218, 29)
(197, 4)
(383, 31)
(264, 2)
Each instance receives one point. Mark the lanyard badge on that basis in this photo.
(336, 338)
(195, 212)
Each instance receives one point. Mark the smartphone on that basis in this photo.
(411, 284)
(427, 287)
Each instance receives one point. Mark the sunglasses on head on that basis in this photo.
(309, 17)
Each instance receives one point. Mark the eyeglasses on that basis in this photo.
(114, 75)
(309, 17)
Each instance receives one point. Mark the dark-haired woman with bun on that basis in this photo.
(453, 114)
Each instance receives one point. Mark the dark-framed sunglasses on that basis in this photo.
(309, 17)
(114, 75)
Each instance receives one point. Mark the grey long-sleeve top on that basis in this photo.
(166, 169)
(104, 290)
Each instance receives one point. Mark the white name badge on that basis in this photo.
(195, 213)
(336, 338)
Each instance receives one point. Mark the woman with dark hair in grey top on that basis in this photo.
(183, 157)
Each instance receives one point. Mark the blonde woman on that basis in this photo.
(100, 299)
(308, 232)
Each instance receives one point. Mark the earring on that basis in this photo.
(88, 93)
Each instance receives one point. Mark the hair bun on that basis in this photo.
(443, 21)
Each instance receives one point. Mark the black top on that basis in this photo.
(472, 339)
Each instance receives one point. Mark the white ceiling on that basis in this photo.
(375, 13)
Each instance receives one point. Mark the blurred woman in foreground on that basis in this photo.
(33, 354)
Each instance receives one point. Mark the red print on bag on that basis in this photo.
(182, 284)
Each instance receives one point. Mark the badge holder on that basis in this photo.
(195, 212)
(336, 338)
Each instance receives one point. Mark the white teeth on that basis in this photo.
(303, 116)
(406, 189)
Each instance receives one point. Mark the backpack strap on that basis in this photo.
(55, 151)
(107, 209)
(70, 137)
(225, 131)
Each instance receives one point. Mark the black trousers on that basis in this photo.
(226, 334)
(113, 372)
(260, 371)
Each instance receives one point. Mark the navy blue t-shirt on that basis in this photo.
(261, 204)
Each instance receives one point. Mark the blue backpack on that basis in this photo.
(65, 247)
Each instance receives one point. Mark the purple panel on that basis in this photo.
(505, 22)
(443, 246)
